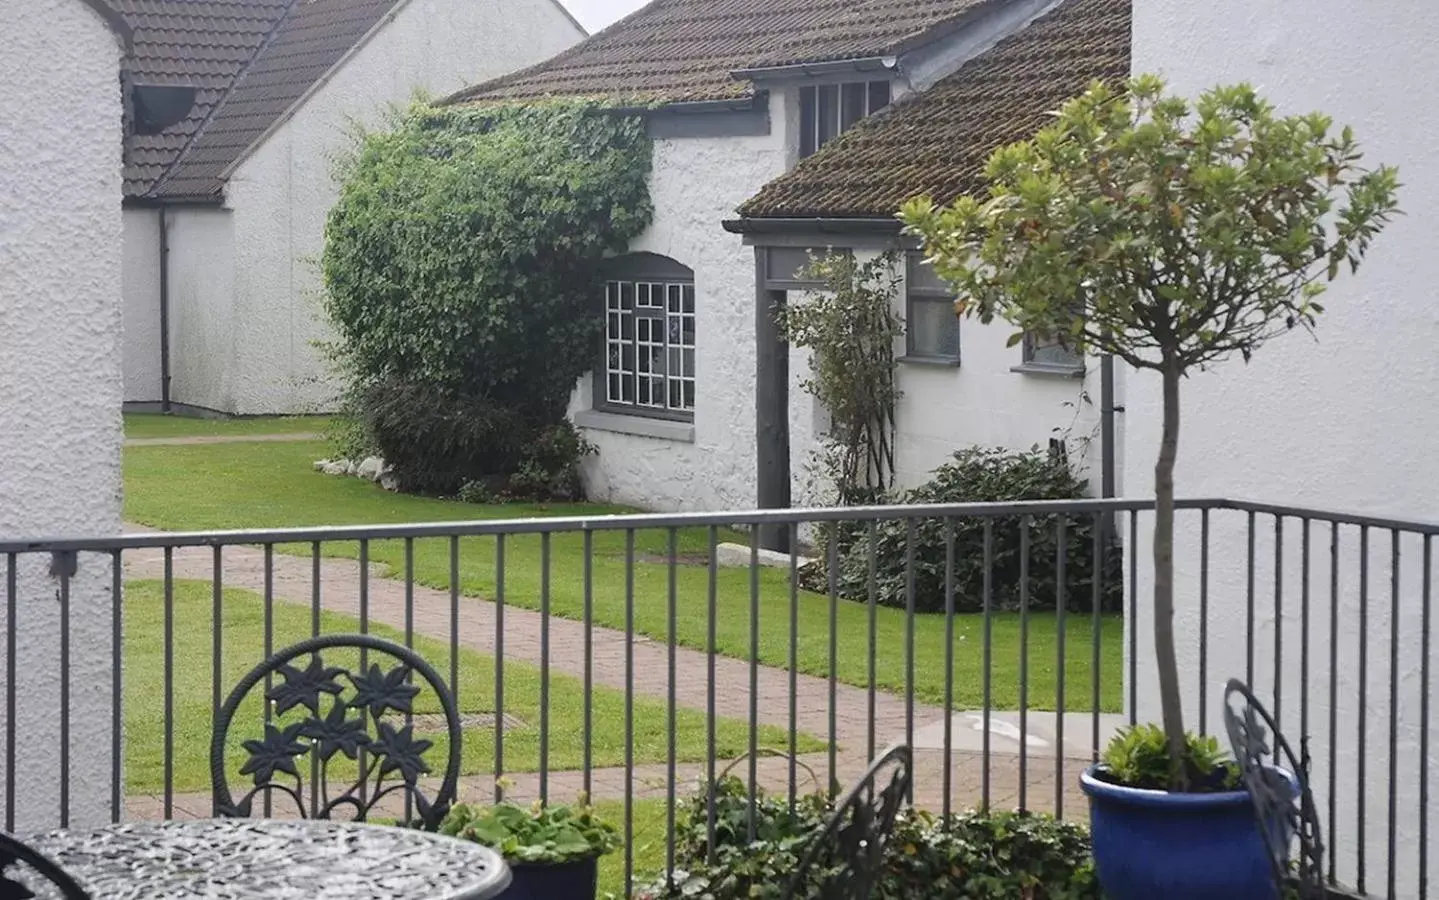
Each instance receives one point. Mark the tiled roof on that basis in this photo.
(684, 50)
(199, 43)
(937, 142)
(250, 60)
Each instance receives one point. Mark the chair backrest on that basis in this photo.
(325, 725)
(22, 867)
(1283, 818)
(854, 839)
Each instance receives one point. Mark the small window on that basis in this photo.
(1051, 354)
(931, 326)
(827, 110)
(648, 366)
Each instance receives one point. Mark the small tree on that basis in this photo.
(1170, 236)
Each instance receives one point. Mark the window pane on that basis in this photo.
(689, 369)
(933, 328)
(922, 278)
(1050, 353)
(879, 96)
(828, 112)
(808, 122)
(689, 298)
(627, 295)
(852, 104)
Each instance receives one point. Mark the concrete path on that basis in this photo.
(199, 439)
(525, 630)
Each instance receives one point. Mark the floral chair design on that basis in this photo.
(316, 713)
(852, 845)
(22, 868)
(1283, 818)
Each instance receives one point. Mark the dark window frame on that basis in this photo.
(637, 269)
(846, 103)
(1073, 365)
(926, 288)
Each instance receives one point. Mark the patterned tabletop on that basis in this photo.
(250, 858)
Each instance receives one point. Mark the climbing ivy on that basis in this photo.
(850, 329)
(460, 272)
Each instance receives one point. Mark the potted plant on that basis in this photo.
(553, 851)
(1170, 236)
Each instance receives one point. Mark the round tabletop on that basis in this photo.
(235, 858)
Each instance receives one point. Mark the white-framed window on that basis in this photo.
(828, 110)
(648, 364)
(931, 328)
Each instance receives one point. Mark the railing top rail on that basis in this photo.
(556, 525)
(644, 521)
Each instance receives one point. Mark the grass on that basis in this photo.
(647, 846)
(243, 618)
(273, 485)
(156, 425)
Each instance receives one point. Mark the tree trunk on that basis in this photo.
(1164, 655)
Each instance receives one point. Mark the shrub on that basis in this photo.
(1138, 757)
(546, 835)
(980, 475)
(461, 271)
(967, 857)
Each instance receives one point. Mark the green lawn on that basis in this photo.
(243, 635)
(267, 485)
(156, 425)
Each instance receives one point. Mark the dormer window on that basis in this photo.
(827, 110)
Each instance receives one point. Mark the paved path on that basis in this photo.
(524, 630)
(197, 439)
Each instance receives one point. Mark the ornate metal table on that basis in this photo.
(266, 858)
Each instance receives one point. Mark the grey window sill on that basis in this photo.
(1050, 371)
(663, 429)
(943, 362)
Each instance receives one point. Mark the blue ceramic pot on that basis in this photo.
(1150, 844)
(570, 881)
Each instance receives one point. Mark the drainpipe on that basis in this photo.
(1106, 425)
(164, 311)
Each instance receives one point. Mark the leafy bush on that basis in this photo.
(981, 475)
(1138, 757)
(968, 857)
(546, 835)
(461, 271)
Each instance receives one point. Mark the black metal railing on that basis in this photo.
(629, 657)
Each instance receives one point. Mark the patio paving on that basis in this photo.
(524, 631)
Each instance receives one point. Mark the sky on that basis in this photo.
(596, 14)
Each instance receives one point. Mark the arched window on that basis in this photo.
(648, 366)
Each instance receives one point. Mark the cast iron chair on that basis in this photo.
(1258, 747)
(314, 712)
(853, 841)
(16, 882)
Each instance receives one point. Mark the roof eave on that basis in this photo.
(864, 225)
(805, 70)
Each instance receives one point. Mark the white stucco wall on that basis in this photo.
(985, 402)
(141, 291)
(60, 381)
(698, 183)
(205, 328)
(282, 193)
(1346, 424)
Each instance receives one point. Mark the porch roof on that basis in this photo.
(937, 142)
